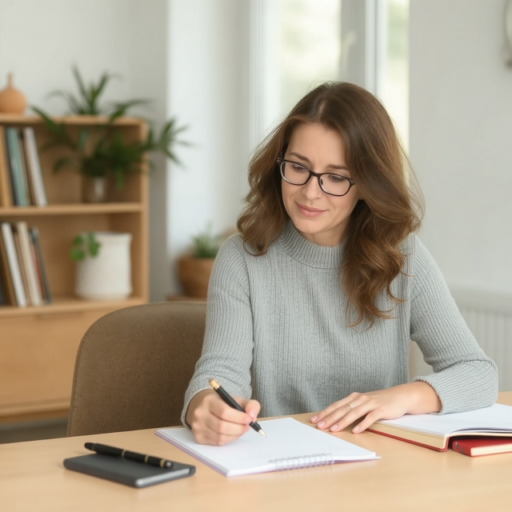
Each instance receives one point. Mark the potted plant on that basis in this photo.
(99, 152)
(195, 267)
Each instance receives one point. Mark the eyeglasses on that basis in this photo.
(330, 183)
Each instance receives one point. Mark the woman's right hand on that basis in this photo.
(215, 422)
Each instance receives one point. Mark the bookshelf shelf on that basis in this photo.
(64, 305)
(27, 120)
(39, 343)
(71, 209)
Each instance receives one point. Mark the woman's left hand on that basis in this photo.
(412, 398)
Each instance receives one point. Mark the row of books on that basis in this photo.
(23, 278)
(21, 180)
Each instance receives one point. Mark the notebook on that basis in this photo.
(435, 430)
(134, 474)
(288, 444)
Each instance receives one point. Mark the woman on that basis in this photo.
(313, 305)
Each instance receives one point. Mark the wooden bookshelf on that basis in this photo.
(39, 344)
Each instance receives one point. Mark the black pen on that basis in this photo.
(231, 402)
(112, 451)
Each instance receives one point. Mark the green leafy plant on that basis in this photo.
(83, 245)
(206, 244)
(87, 103)
(100, 150)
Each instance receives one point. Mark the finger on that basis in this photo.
(358, 411)
(333, 417)
(226, 425)
(218, 431)
(227, 413)
(369, 420)
(208, 436)
(347, 413)
(363, 410)
(216, 423)
(334, 406)
(222, 427)
(211, 429)
(251, 407)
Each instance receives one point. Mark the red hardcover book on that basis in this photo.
(477, 446)
(435, 431)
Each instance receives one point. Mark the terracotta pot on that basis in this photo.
(12, 101)
(194, 275)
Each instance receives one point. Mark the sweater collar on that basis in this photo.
(308, 253)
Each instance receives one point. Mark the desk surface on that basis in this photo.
(406, 478)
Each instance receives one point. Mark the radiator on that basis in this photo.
(489, 317)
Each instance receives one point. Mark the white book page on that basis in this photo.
(285, 439)
(497, 418)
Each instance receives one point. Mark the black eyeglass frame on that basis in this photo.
(282, 161)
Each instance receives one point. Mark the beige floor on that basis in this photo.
(32, 431)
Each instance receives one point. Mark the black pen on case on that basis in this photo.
(112, 451)
(232, 403)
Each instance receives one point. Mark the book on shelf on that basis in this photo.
(13, 265)
(3, 286)
(289, 444)
(3, 297)
(28, 265)
(20, 154)
(40, 265)
(6, 193)
(23, 270)
(5, 272)
(478, 446)
(435, 431)
(17, 169)
(33, 167)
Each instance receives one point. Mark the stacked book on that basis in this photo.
(23, 278)
(21, 181)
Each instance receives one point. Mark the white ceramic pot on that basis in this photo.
(106, 276)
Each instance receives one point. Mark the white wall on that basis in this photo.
(460, 138)
(189, 57)
(208, 90)
(40, 41)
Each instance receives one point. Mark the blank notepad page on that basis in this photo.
(288, 444)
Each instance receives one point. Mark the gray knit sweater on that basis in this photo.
(276, 331)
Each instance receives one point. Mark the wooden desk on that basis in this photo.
(407, 478)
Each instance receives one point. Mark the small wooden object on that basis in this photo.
(12, 101)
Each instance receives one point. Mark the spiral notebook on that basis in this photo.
(289, 444)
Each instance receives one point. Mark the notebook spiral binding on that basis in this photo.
(305, 461)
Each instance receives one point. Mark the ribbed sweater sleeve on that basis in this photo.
(228, 343)
(464, 377)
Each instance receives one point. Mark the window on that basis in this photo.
(392, 64)
(298, 44)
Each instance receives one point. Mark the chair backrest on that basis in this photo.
(133, 367)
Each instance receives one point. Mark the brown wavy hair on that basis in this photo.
(391, 204)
